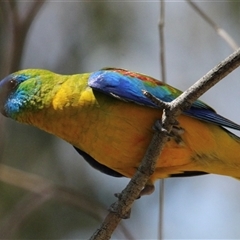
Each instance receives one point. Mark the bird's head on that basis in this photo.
(20, 91)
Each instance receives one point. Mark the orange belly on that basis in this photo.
(121, 135)
(117, 134)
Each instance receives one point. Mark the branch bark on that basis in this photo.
(171, 110)
(220, 31)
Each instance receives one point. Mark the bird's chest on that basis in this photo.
(117, 135)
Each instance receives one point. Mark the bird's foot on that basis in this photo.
(147, 190)
(177, 130)
(176, 133)
(158, 125)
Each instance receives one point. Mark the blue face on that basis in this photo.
(12, 96)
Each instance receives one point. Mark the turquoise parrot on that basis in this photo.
(108, 120)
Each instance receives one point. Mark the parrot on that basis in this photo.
(109, 121)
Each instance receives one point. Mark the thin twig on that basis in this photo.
(220, 31)
(6, 41)
(161, 39)
(163, 78)
(122, 207)
(161, 209)
(158, 102)
(207, 81)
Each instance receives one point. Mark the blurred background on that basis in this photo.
(82, 36)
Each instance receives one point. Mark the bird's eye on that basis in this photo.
(7, 86)
(12, 83)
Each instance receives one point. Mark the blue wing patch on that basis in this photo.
(128, 86)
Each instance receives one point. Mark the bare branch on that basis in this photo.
(122, 207)
(207, 81)
(161, 38)
(158, 102)
(161, 209)
(6, 43)
(163, 78)
(220, 31)
(32, 12)
(12, 6)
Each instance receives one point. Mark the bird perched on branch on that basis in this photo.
(109, 121)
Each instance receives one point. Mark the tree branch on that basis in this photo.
(207, 81)
(220, 31)
(20, 27)
(161, 40)
(122, 207)
(161, 26)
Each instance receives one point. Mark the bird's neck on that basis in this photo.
(64, 109)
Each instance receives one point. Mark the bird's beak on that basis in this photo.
(6, 87)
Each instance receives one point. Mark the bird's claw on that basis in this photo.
(158, 125)
(175, 133)
(147, 190)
